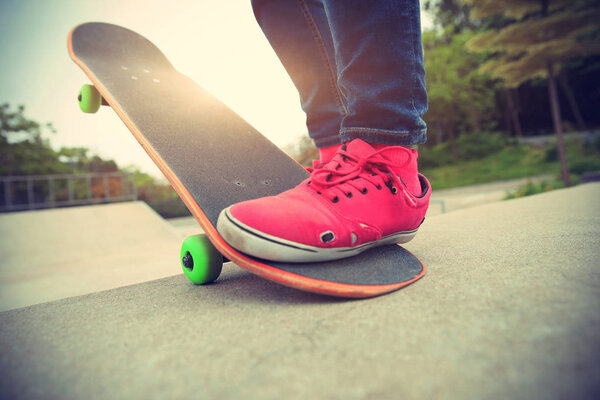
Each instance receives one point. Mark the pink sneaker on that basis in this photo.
(356, 201)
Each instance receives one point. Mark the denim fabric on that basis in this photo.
(357, 64)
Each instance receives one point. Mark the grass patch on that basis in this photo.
(512, 162)
(531, 188)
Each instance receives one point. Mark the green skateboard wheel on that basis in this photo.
(90, 99)
(200, 260)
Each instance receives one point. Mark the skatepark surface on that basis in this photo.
(508, 309)
(52, 254)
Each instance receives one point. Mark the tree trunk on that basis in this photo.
(556, 119)
(507, 117)
(439, 131)
(564, 83)
(452, 133)
(514, 113)
(475, 125)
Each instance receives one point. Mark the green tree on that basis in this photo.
(461, 98)
(451, 16)
(78, 158)
(541, 36)
(23, 151)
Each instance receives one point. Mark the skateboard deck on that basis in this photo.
(213, 158)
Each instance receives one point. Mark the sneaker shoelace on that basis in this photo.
(347, 173)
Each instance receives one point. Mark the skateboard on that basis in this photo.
(213, 158)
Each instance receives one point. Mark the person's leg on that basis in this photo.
(299, 33)
(380, 69)
(370, 193)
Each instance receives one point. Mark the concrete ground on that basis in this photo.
(52, 254)
(508, 309)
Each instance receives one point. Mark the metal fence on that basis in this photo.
(30, 192)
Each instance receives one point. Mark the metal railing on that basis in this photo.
(30, 192)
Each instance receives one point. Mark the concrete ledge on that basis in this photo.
(509, 309)
(52, 254)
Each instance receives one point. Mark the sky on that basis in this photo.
(216, 43)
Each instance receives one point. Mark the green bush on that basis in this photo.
(586, 165)
(169, 208)
(474, 146)
(575, 147)
(470, 146)
(580, 157)
(596, 144)
(531, 188)
(551, 153)
(436, 156)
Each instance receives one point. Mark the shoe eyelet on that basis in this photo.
(391, 186)
(328, 177)
(364, 191)
(335, 199)
(378, 187)
(349, 194)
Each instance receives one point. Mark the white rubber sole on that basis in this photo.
(258, 244)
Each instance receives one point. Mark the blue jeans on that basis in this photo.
(358, 65)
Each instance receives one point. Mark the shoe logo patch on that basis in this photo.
(327, 237)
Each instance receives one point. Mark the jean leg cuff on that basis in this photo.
(394, 138)
(327, 141)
